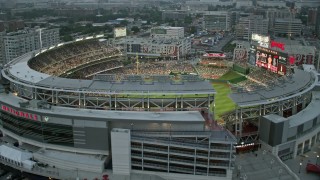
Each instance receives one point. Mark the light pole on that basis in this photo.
(300, 167)
(239, 169)
(131, 126)
(271, 163)
(170, 130)
(317, 159)
(280, 171)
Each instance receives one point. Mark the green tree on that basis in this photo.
(193, 29)
(124, 23)
(67, 38)
(188, 20)
(135, 29)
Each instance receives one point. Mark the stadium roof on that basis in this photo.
(307, 114)
(19, 72)
(310, 112)
(163, 116)
(300, 82)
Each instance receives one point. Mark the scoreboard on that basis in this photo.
(269, 59)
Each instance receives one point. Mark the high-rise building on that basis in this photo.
(312, 16)
(23, 41)
(251, 24)
(174, 14)
(2, 50)
(288, 26)
(167, 32)
(273, 14)
(317, 28)
(216, 21)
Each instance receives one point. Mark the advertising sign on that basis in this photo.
(261, 39)
(120, 32)
(271, 60)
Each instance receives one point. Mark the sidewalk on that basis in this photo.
(259, 166)
(311, 156)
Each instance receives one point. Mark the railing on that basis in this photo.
(153, 141)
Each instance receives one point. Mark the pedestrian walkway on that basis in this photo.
(311, 157)
(260, 165)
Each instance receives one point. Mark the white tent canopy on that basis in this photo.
(14, 154)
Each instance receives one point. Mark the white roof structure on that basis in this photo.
(14, 154)
(307, 114)
(299, 83)
(310, 112)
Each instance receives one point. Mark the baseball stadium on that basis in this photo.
(83, 106)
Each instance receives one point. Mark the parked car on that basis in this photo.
(313, 168)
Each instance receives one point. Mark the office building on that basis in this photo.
(251, 24)
(23, 41)
(174, 14)
(2, 50)
(216, 21)
(291, 27)
(317, 28)
(167, 32)
(273, 14)
(167, 48)
(312, 16)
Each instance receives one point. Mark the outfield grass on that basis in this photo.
(230, 75)
(223, 103)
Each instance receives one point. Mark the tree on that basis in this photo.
(188, 20)
(124, 23)
(67, 38)
(135, 29)
(193, 29)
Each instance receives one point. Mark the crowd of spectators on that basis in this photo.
(209, 72)
(154, 68)
(85, 58)
(58, 61)
(90, 71)
(259, 78)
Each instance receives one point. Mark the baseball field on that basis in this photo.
(223, 103)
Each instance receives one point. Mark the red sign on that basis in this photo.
(292, 59)
(20, 113)
(277, 44)
(215, 55)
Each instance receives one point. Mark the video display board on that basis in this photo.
(261, 39)
(120, 32)
(269, 59)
